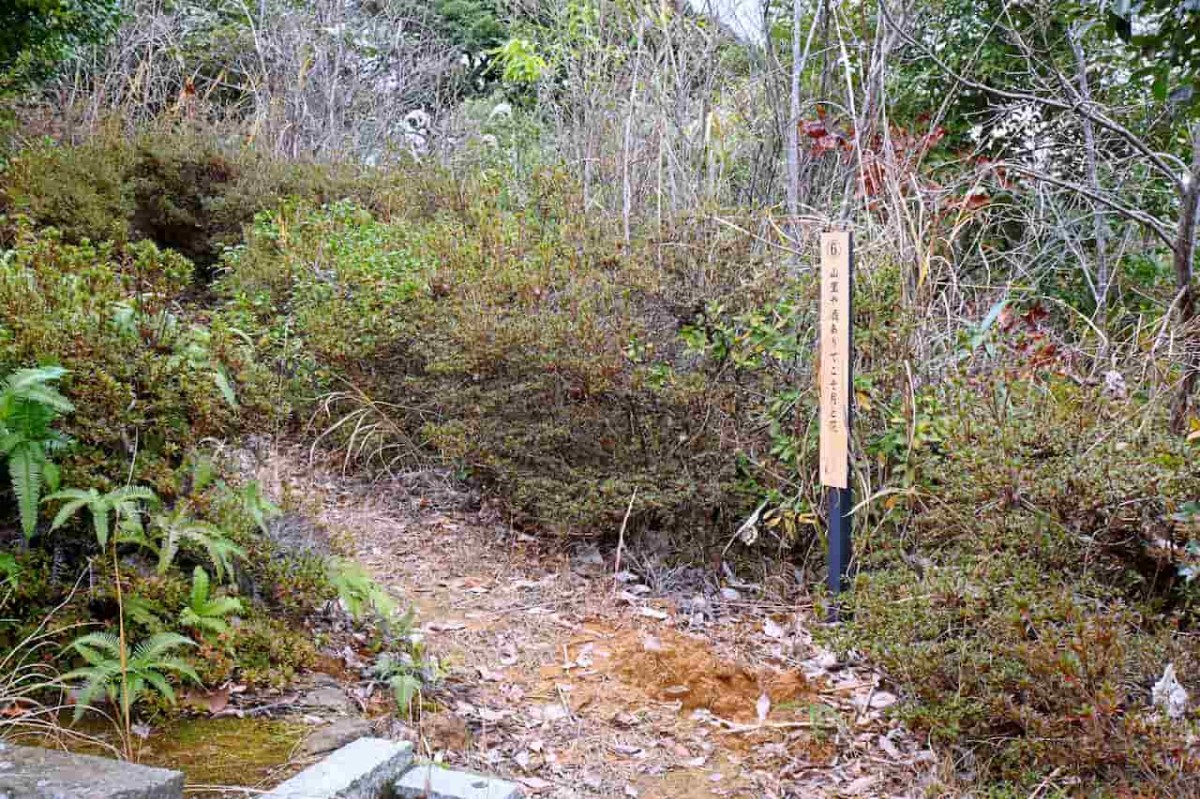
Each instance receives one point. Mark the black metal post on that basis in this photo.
(840, 501)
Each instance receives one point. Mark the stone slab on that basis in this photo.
(335, 735)
(435, 782)
(363, 769)
(27, 772)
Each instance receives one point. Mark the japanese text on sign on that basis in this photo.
(835, 359)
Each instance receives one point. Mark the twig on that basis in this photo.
(621, 539)
(735, 728)
(223, 789)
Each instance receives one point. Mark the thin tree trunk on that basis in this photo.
(626, 188)
(1185, 248)
(1099, 231)
(793, 132)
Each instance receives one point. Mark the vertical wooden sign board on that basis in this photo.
(837, 265)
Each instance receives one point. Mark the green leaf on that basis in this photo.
(225, 387)
(199, 587)
(25, 470)
(405, 688)
(52, 475)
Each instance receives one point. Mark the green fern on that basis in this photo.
(207, 613)
(122, 504)
(358, 593)
(405, 677)
(29, 405)
(176, 530)
(147, 667)
(260, 508)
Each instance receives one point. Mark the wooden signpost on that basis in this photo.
(836, 384)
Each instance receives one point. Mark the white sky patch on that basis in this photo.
(743, 17)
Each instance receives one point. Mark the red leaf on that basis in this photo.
(815, 129)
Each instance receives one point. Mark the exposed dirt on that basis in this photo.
(669, 666)
(579, 680)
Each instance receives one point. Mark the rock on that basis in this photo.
(361, 770)
(326, 697)
(435, 782)
(335, 735)
(28, 772)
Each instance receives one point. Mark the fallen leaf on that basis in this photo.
(888, 747)
(444, 626)
(882, 699)
(772, 630)
(653, 613)
(213, 701)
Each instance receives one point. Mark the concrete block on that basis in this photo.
(361, 770)
(27, 772)
(435, 782)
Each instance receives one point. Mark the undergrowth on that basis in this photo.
(1027, 536)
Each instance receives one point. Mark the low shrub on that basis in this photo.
(181, 188)
(501, 341)
(152, 376)
(1033, 593)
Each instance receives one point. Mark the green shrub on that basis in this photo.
(1029, 598)
(150, 377)
(82, 191)
(554, 376)
(179, 188)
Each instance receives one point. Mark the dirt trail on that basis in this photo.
(578, 682)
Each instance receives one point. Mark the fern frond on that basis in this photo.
(97, 680)
(66, 511)
(100, 523)
(22, 380)
(130, 494)
(150, 650)
(160, 684)
(181, 667)
(97, 647)
(222, 606)
(199, 588)
(25, 470)
(33, 386)
(44, 395)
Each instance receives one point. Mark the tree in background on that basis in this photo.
(37, 35)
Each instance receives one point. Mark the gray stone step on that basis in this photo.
(360, 770)
(27, 772)
(434, 782)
